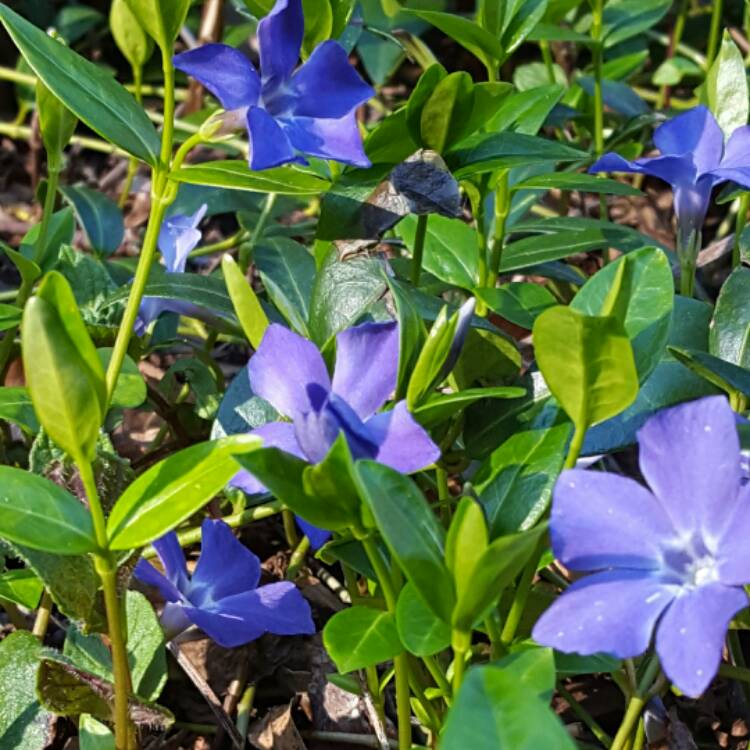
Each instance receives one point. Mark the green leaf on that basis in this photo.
(129, 35)
(445, 113)
(16, 407)
(518, 25)
(99, 216)
(411, 331)
(494, 711)
(411, 531)
(24, 724)
(421, 632)
(62, 227)
(87, 90)
(174, 489)
(419, 97)
(318, 24)
(161, 20)
(624, 19)
(241, 410)
(465, 544)
(587, 183)
(236, 175)
(725, 375)
(543, 248)
(520, 302)
(359, 637)
(644, 301)
(725, 91)
(515, 483)
(130, 389)
(29, 270)
(92, 734)
(468, 34)
(21, 587)
(63, 371)
(10, 316)
(438, 407)
(287, 271)
(246, 304)
(729, 333)
(487, 152)
(344, 291)
(587, 363)
(37, 513)
(56, 124)
(534, 667)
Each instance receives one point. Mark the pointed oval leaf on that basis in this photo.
(246, 304)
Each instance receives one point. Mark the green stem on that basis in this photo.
(244, 709)
(549, 63)
(574, 449)
(676, 39)
(290, 528)
(585, 717)
(731, 672)
(598, 61)
(217, 247)
(437, 674)
(502, 209)
(513, 620)
(461, 643)
(53, 178)
(687, 277)
(740, 225)
(298, 558)
(494, 632)
(635, 707)
(132, 162)
(714, 32)
(417, 255)
(246, 250)
(43, 612)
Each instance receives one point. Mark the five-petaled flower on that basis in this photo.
(672, 560)
(287, 114)
(693, 161)
(222, 597)
(289, 372)
(178, 237)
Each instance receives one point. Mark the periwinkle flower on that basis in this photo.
(671, 561)
(222, 597)
(288, 114)
(178, 237)
(693, 161)
(289, 372)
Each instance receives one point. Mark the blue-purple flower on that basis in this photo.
(222, 597)
(289, 372)
(672, 560)
(693, 161)
(288, 114)
(178, 237)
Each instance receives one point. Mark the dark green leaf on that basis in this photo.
(729, 333)
(99, 216)
(730, 378)
(624, 19)
(10, 316)
(587, 183)
(446, 112)
(520, 302)
(441, 406)
(421, 632)
(546, 247)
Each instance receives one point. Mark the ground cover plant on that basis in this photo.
(375, 373)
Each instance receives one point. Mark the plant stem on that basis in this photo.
(298, 558)
(461, 643)
(502, 209)
(246, 250)
(244, 709)
(714, 32)
(731, 672)
(217, 247)
(549, 63)
(574, 449)
(401, 663)
(739, 226)
(132, 162)
(585, 717)
(417, 255)
(513, 620)
(290, 528)
(687, 277)
(437, 675)
(635, 706)
(597, 52)
(43, 612)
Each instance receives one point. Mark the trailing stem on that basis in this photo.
(635, 706)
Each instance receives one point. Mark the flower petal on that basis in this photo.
(733, 551)
(280, 39)
(690, 457)
(404, 445)
(318, 537)
(275, 435)
(691, 202)
(327, 85)
(269, 145)
(602, 520)
(366, 366)
(283, 368)
(173, 559)
(690, 636)
(224, 71)
(146, 573)
(675, 170)
(178, 237)
(277, 608)
(225, 566)
(339, 140)
(695, 133)
(612, 612)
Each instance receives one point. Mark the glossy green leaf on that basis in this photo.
(161, 19)
(129, 35)
(61, 230)
(520, 302)
(246, 304)
(729, 334)
(10, 316)
(645, 302)
(624, 19)
(100, 217)
(88, 91)
(130, 389)
(465, 544)
(725, 90)
(543, 248)
(494, 711)
(411, 531)
(56, 124)
(725, 375)
(236, 175)
(37, 513)
(359, 637)
(318, 24)
(445, 113)
(174, 489)
(419, 629)
(287, 271)
(93, 735)
(419, 97)
(586, 183)
(518, 24)
(29, 270)
(515, 483)
(587, 362)
(24, 724)
(438, 407)
(21, 587)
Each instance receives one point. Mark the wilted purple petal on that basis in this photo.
(178, 237)
(269, 145)
(284, 367)
(366, 366)
(613, 612)
(279, 435)
(224, 71)
(690, 457)
(339, 140)
(327, 86)
(690, 636)
(280, 36)
(695, 133)
(318, 537)
(601, 520)
(146, 573)
(404, 445)
(225, 566)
